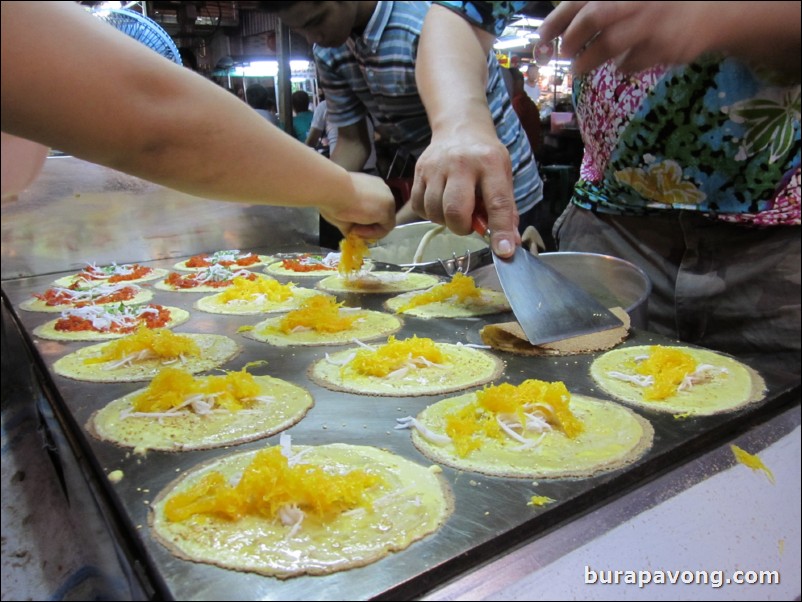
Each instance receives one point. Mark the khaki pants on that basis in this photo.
(726, 287)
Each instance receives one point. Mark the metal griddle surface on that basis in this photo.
(491, 514)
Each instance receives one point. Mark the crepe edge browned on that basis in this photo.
(644, 444)
(370, 337)
(497, 371)
(273, 430)
(445, 488)
(510, 337)
(47, 330)
(757, 392)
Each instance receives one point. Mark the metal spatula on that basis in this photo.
(548, 306)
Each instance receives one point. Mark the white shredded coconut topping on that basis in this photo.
(410, 422)
(639, 379)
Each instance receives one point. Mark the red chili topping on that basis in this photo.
(191, 281)
(138, 271)
(53, 297)
(149, 319)
(296, 265)
(200, 261)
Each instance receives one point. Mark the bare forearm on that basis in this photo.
(352, 149)
(448, 39)
(770, 35)
(127, 110)
(638, 35)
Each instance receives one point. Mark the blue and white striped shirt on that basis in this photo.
(375, 74)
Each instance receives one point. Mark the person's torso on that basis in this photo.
(711, 137)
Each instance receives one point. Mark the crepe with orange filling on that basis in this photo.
(408, 367)
(533, 430)
(140, 356)
(458, 298)
(678, 380)
(321, 320)
(178, 411)
(292, 510)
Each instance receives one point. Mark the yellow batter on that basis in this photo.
(611, 436)
(48, 329)
(721, 383)
(277, 406)
(214, 350)
(378, 282)
(405, 503)
(461, 367)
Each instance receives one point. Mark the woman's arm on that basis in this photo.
(74, 83)
(638, 35)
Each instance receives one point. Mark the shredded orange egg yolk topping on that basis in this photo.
(353, 251)
(461, 287)
(501, 411)
(668, 367)
(320, 313)
(174, 390)
(148, 343)
(751, 461)
(270, 288)
(397, 355)
(269, 486)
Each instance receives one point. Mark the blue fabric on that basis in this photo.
(490, 16)
(301, 124)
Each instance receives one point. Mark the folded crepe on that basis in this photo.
(509, 336)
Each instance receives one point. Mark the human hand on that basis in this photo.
(370, 214)
(453, 171)
(636, 35)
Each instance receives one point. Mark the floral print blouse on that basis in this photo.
(714, 136)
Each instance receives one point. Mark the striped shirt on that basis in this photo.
(374, 74)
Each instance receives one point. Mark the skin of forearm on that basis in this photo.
(465, 51)
(352, 149)
(144, 116)
(314, 137)
(769, 35)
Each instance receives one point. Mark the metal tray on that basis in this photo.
(491, 514)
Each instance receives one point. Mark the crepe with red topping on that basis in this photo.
(205, 280)
(93, 275)
(101, 322)
(56, 299)
(233, 259)
(305, 264)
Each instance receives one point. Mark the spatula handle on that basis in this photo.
(479, 220)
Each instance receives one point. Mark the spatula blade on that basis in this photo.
(548, 306)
